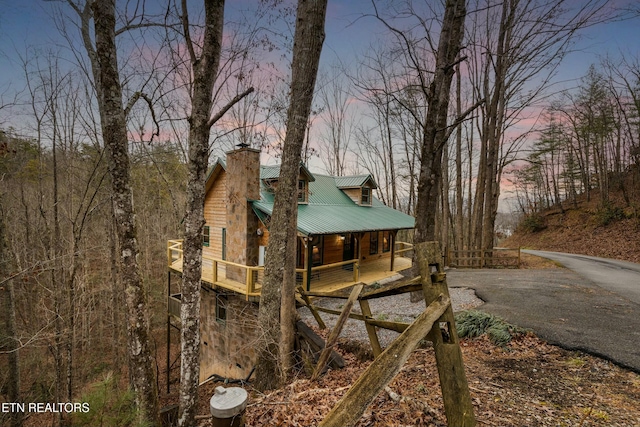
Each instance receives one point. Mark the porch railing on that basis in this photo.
(215, 271)
(404, 249)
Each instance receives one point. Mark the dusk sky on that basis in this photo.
(27, 25)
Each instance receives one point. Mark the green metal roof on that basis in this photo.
(331, 211)
(355, 181)
(273, 172)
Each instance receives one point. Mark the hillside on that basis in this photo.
(611, 232)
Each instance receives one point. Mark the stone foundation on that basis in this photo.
(228, 347)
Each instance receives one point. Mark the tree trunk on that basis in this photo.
(459, 222)
(446, 208)
(277, 299)
(434, 129)
(114, 133)
(205, 70)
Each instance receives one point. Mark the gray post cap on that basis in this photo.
(228, 402)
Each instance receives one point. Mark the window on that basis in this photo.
(300, 255)
(366, 196)
(317, 250)
(302, 191)
(373, 243)
(221, 308)
(386, 241)
(224, 244)
(206, 236)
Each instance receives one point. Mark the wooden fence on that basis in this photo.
(492, 258)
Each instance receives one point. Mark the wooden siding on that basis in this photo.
(215, 215)
(333, 249)
(366, 246)
(354, 194)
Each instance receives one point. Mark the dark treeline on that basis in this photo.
(590, 141)
(61, 263)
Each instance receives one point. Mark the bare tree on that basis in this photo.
(9, 343)
(204, 68)
(338, 122)
(430, 82)
(277, 299)
(516, 46)
(104, 68)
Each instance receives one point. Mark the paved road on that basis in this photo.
(620, 277)
(561, 307)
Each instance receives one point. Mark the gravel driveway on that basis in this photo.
(558, 305)
(397, 308)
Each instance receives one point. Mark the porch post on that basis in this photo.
(356, 268)
(392, 243)
(168, 330)
(306, 275)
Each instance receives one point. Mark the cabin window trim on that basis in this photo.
(365, 197)
(224, 244)
(386, 241)
(373, 243)
(221, 308)
(302, 191)
(317, 256)
(206, 236)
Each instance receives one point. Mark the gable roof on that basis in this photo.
(219, 166)
(330, 211)
(273, 172)
(355, 181)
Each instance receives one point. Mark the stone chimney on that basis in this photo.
(243, 185)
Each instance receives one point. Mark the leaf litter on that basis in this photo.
(526, 383)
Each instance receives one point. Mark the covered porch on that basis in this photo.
(247, 280)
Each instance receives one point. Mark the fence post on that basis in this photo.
(453, 381)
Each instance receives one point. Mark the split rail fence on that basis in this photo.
(492, 258)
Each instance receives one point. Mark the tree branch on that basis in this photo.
(187, 34)
(461, 118)
(136, 96)
(226, 108)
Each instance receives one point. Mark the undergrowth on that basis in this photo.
(608, 213)
(109, 406)
(473, 323)
(533, 223)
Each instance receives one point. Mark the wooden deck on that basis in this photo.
(324, 278)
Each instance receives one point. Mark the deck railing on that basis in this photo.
(215, 271)
(404, 249)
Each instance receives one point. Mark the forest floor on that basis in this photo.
(527, 383)
(588, 229)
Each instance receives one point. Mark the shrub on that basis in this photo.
(109, 406)
(473, 323)
(607, 213)
(533, 223)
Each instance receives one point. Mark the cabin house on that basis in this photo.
(345, 236)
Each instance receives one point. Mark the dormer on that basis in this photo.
(359, 188)
(271, 174)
